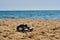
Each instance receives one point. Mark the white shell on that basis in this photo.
(25, 29)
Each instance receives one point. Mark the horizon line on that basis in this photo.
(27, 9)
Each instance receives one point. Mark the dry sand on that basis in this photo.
(43, 29)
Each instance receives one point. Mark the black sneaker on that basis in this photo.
(24, 28)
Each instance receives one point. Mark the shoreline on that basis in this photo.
(27, 19)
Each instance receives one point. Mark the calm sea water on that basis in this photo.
(39, 14)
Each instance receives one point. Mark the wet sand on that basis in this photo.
(42, 29)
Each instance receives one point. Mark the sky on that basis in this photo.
(29, 4)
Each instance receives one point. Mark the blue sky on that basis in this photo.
(29, 4)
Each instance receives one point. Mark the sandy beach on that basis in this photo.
(42, 29)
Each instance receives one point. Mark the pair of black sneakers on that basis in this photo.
(24, 28)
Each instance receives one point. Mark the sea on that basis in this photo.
(30, 14)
